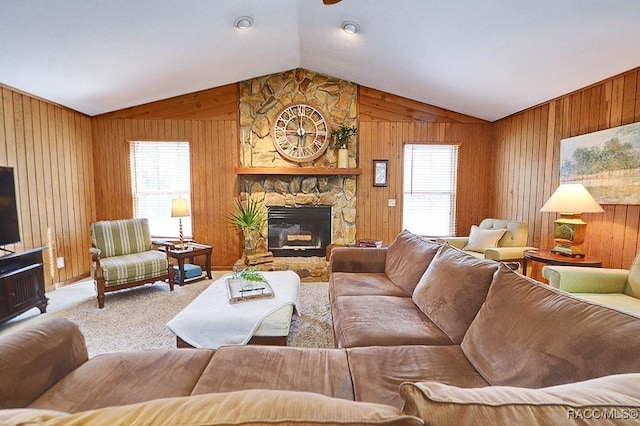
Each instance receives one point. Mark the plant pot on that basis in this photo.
(343, 158)
(251, 240)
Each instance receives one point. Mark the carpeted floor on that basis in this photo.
(136, 319)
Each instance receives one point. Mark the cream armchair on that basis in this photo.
(616, 288)
(495, 239)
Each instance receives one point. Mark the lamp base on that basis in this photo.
(568, 250)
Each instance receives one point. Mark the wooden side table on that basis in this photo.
(190, 251)
(548, 258)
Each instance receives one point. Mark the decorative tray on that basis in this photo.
(238, 293)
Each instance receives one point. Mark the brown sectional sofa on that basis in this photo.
(490, 346)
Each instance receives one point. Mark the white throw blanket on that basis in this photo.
(210, 321)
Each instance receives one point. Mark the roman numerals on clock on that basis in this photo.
(301, 133)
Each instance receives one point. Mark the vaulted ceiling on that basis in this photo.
(487, 59)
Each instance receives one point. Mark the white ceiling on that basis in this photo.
(488, 58)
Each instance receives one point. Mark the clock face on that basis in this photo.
(301, 133)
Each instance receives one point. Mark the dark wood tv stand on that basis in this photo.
(21, 283)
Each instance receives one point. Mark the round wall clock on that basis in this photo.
(301, 133)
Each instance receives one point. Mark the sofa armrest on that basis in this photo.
(358, 259)
(506, 253)
(575, 279)
(35, 358)
(457, 242)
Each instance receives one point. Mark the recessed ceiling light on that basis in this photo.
(350, 27)
(243, 22)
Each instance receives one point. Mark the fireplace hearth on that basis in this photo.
(299, 231)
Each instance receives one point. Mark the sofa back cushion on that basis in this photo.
(118, 237)
(407, 258)
(532, 335)
(610, 400)
(35, 358)
(247, 407)
(452, 289)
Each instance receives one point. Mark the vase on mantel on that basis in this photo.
(343, 158)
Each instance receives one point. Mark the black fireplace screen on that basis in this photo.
(299, 231)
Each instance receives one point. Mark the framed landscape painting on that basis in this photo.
(607, 163)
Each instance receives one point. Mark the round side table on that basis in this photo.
(548, 258)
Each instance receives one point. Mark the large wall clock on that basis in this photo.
(301, 133)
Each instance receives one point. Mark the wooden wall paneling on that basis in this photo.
(218, 103)
(213, 157)
(48, 148)
(613, 236)
(629, 98)
(631, 235)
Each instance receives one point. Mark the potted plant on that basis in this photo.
(341, 137)
(249, 218)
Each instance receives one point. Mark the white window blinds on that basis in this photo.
(429, 203)
(160, 172)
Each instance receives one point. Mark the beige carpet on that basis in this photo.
(136, 319)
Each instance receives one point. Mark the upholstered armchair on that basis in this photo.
(616, 288)
(123, 256)
(495, 239)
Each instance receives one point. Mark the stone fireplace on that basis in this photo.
(274, 181)
(299, 231)
(336, 194)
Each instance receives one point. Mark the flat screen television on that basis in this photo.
(9, 226)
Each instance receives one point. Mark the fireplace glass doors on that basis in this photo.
(299, 231)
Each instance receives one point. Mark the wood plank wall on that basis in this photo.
(386, 123)
(528, 159)
(50, 149)
(213, 139)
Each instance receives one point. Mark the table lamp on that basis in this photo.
(180, 209)
(569, 231)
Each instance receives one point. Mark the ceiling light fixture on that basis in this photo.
(350, 27)
(243, 22)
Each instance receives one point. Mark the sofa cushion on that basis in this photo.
(36, 357)
(363, 284)
(233, 368)
(382, 321)
(378, 371)
(250, 407)
(452, 290)
(125, 378)
(531, 335)
(408, 257)
(126, 268)
(118, 237)
(482, 239)
(608, 401)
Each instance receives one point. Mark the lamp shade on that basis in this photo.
(179, 207)
(571, 198)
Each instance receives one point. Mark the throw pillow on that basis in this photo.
(407, 258)
(452, 290)
(607, 400)
(482, 239)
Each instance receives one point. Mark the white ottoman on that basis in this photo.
(210, 321)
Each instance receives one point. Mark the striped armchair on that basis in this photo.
(122, 256)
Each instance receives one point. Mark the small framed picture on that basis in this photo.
(380, 172)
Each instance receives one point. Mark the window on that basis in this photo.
(429, 204)
(160, 172)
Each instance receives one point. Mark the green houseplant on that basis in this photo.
(341, 136)
(249, 218)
